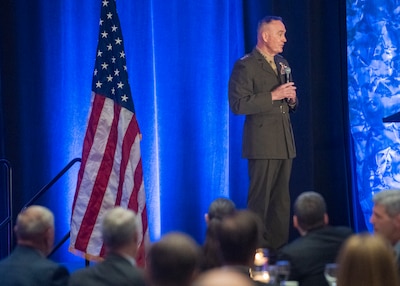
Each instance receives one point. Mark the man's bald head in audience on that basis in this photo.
(35, 228)
(223, 277)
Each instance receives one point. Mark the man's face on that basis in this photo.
(384, 224)
(274, 37)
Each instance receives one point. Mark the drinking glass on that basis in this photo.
(330, 273)
(261, 259)
(259, 270)
(273, 275)
(283, 270)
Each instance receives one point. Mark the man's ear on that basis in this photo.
(297, 226)
(295, 222)
(396, 220)
(206, 218)
(48, 240)
(265, 36)
(326, 219)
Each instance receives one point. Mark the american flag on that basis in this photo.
(111, 170)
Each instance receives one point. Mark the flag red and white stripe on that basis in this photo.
(111, 171)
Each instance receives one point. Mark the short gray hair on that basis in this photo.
(310, 209)
(119, 227)
(267, 20)
(33, 221)
(390, 200)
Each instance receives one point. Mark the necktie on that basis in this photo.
(273, 65)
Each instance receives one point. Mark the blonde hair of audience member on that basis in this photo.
(367, 260)
(120, 231)
(35, 228)
(174, 260)
(222, 277)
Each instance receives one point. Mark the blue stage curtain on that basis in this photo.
(179, 57)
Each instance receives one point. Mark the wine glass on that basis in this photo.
(330, 273)
(283, 270)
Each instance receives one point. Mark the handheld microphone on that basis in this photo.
(288, 70)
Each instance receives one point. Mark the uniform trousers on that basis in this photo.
(269, 198)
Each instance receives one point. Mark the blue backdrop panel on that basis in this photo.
(373, 74)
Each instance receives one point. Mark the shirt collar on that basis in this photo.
(267, 57)
(130, 259)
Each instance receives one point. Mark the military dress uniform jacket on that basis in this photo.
(267, 132)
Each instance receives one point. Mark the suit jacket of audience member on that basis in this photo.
(309, 254)
(114, 270)
(27, 266)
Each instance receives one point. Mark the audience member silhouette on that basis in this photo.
(367, 260)
(239, 236)
(120, 236)
(173, 261)
(218, 209)
(385, 218)
(27, 264)
(319, 243)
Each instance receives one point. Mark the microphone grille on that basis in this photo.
(288, 70)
